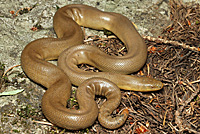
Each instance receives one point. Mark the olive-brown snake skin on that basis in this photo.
(67, 22)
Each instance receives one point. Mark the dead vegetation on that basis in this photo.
(173, 58)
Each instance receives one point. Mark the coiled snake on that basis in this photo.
(67, 22)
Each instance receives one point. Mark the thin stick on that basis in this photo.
(175, 43)
(43, 122)
(10, 69)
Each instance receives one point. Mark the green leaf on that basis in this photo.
(14, 92)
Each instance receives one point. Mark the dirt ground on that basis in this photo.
(171, 30)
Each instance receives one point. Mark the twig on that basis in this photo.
(186, 85)
(175, 43)
(178, 119)
(165, 117)
(43, 122)
(189, 99)
(9, 70)
(130, 127)
(196, 81)
(25, 8)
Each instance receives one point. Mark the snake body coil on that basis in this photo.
(67, 22)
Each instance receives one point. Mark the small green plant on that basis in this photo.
(72, 102)
(27, 112)
(106, 32)
(2, 66)
(16, 131)
(197, 22)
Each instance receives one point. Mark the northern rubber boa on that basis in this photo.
(67, 22)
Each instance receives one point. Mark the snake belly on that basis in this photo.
(67, 49)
